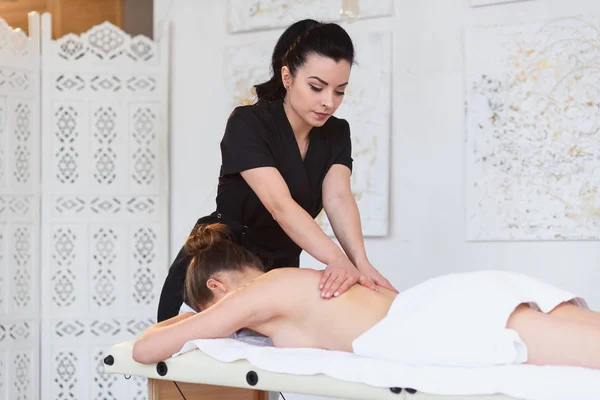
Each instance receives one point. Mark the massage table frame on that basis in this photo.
(198, 368)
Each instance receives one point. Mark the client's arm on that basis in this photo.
(245, 307)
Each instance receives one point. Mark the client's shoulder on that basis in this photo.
(288, 272)
(292, 277)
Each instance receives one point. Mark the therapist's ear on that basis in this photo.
(216, 286)
(286, 76)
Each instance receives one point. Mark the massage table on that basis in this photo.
(203, 373)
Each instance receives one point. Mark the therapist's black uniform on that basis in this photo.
(260, 135)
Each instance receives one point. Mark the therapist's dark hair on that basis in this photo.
(213, 251)
(297, 42)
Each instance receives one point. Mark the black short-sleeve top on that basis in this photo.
(260, 135)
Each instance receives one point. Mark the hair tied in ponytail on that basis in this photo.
(294, 46)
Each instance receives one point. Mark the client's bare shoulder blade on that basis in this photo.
(288, 275)
(289, 283)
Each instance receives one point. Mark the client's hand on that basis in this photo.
(375, 276)
(339, 276)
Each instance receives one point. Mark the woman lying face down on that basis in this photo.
(457, 314)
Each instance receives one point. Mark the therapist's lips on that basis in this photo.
(321, 115)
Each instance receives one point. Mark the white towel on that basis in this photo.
(459, 320)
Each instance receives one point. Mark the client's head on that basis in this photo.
(218, 267)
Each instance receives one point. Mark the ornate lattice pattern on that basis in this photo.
(63, 254)
(105, 241)
(104, 253)
(107, 43)
(3, 136)
(2, 268)
(103, 383)
(139, 388)
(14, 41)
(136, 326)
(19, 212)
(105, 84)
(63, 283)
(67, 133)
(23, 372)
(144, 137)
(66, 123)
(22, 255)
(20, 331)
(2, 375)
(144, 254)
(2, 161)
(106, 328)
(72, 329)
(21, 170)
(69, 83)
(22, 242)
(22, 288)
(143, 289)
(64, 246)
(104, 133)
(19, 81)
(65, 377)
(22, 123)
(105, 204)
(21, 137)
(144, 246)
(18, 206)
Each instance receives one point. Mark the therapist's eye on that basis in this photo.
(316, 89)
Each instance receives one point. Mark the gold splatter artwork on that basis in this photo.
(533, 131)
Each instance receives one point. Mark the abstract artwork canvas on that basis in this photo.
(244, 15)
(366, 106)
(533, 131)
(479, 3)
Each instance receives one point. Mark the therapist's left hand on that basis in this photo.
(375, 276)
(339, 276)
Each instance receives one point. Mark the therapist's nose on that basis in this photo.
(327, 100)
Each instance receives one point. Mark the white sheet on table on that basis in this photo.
(520, 381)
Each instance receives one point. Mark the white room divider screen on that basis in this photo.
(19, 211)
(96, 266)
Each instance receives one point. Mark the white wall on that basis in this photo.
(427, 179)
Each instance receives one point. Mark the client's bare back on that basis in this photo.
(307, 320)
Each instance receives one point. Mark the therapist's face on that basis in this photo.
(318, 88)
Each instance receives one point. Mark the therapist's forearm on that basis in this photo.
(344, 217)
(305, 232)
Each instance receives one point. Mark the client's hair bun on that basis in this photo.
(205, 237)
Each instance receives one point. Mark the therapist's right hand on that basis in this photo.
(339, 276)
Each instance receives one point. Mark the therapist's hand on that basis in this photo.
(375, 276)
(339, 276)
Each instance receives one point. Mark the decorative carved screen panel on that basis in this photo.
(105, 204)
(19, 211)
